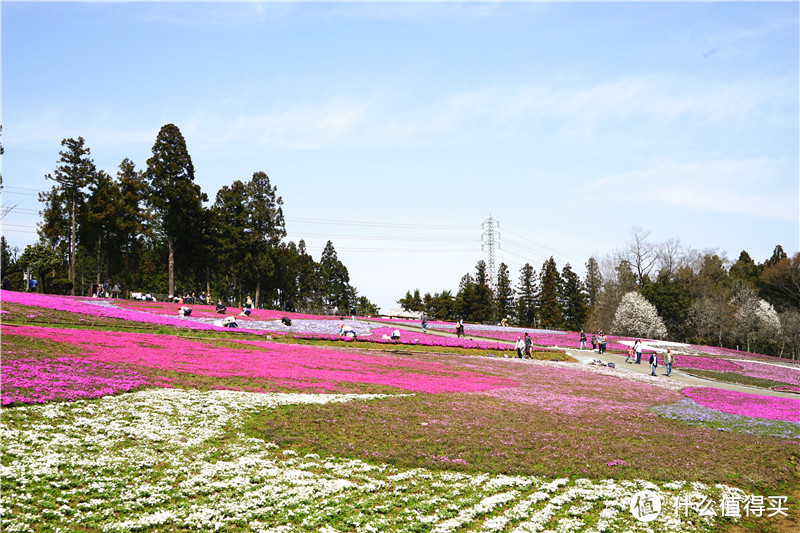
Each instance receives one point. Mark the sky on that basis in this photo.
(396, 130)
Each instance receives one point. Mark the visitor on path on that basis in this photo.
(520, 346)
(528, 346)
(637, 348)
(653, 363)
(602, 341)
(424, 320)
(668, 359)
(583, 340)
(460, 328)
(221, 308)
(594, 342)
(629, 359)
(353, 311)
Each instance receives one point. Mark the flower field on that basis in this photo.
(119, 416)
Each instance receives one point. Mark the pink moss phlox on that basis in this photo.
(63, 378)
(288, 365)
(705, 363)
(746, 404)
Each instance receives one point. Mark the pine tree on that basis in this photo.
(593, 281)
(527, 299)
(74, 173)
(177, 200)
(503, 295)
(550, 310)
(573, 299)
(265, 226)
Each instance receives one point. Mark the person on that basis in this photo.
(594, 341)
(6, 283)
(203, 298)
(583, 340)
(245, 311)
(286, 321)
(396, 335)
(424, 319)
(220, 308)
(653, 363)
(184, 311)
(249, 303)
(668, 359)
(230, 322)
(629, 359)
(353, 311)
(347, 330)
(637, 348)
(32, 283)
(601, 340)
(503, 323)
(520, 346)
(528, 346)
(460, 328)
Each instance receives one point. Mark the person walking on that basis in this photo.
(424, 320)
(583, 340)
(528, 346)
(520, 346)
(668, 359)
(637, 348)
(629, 359)
(653, 363)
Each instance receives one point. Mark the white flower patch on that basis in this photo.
(175, 460)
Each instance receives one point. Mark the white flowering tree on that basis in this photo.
(756, 320)
(636, 317)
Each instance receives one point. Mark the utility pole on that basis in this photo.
(488, 243)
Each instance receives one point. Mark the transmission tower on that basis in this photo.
(488, 243)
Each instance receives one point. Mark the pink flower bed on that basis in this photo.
(64, 378)
(209, 311)
(746, 404)
(704, 363)
(768, 371)
(301, 367)
(413, 337)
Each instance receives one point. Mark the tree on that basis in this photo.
(40, 259)
(265, 226)
(593, 281)
(335, 279)
(756, 320)
(551, 314)
(636, 317)
(710, 319)
(672, 304)
(573, 299)
(640, 254)
(744, 271)
(780, 283)
(503, 294)
(307, 280)
(133, 216)
(474, 298)
(790, 333)
(75, 172)
(176, 199)
(527, 290)
(412, 302)
(102, 219)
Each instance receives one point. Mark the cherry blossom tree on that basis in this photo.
(636, 317)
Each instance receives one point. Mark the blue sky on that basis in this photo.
(394, 130)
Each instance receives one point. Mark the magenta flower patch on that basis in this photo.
(64, 378)
(746, 404)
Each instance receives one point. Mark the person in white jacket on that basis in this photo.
(520, 346)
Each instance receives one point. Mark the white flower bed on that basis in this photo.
(175, 460)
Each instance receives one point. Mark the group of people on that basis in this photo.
(524, 347)
(599, 341)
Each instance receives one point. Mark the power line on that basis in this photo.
(375, 224)
(384, 237)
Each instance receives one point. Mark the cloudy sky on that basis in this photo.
(396, 129)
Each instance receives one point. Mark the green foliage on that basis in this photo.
(573, 299)
(528, 297)
(474, 299)
(58, 286)
(672, 303)
(550, 309)
(412, 302)
(503, 295)
(40, 259)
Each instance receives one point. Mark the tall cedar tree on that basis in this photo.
(265, 226)
(231, 236)
(593, 281)
(335, 279)
(527, 299)
(176, 199)
(307, 281)
(503, 294)
(133, 217)
(75, 172)
(574, 300)
(103, 214)
(474, 298)
(550, 312)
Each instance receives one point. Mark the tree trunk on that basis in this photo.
(97, 266)
(171, 264)
(208, 283)
(72, 250)
(258, 292)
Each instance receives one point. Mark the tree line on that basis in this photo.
(653, 290)
(151, 231)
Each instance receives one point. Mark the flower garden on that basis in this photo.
(122, 416)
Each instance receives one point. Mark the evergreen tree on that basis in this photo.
(573, 299)
(672, 303)
(551, 314)
(176, 199)
(503, 295)
(744, 271)
(101, 229)
(307, 280)
(412, 302)
(133, 216)
(265, 226)
(593, 281)
(75, 172)
(527, 299)
(335, 279)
